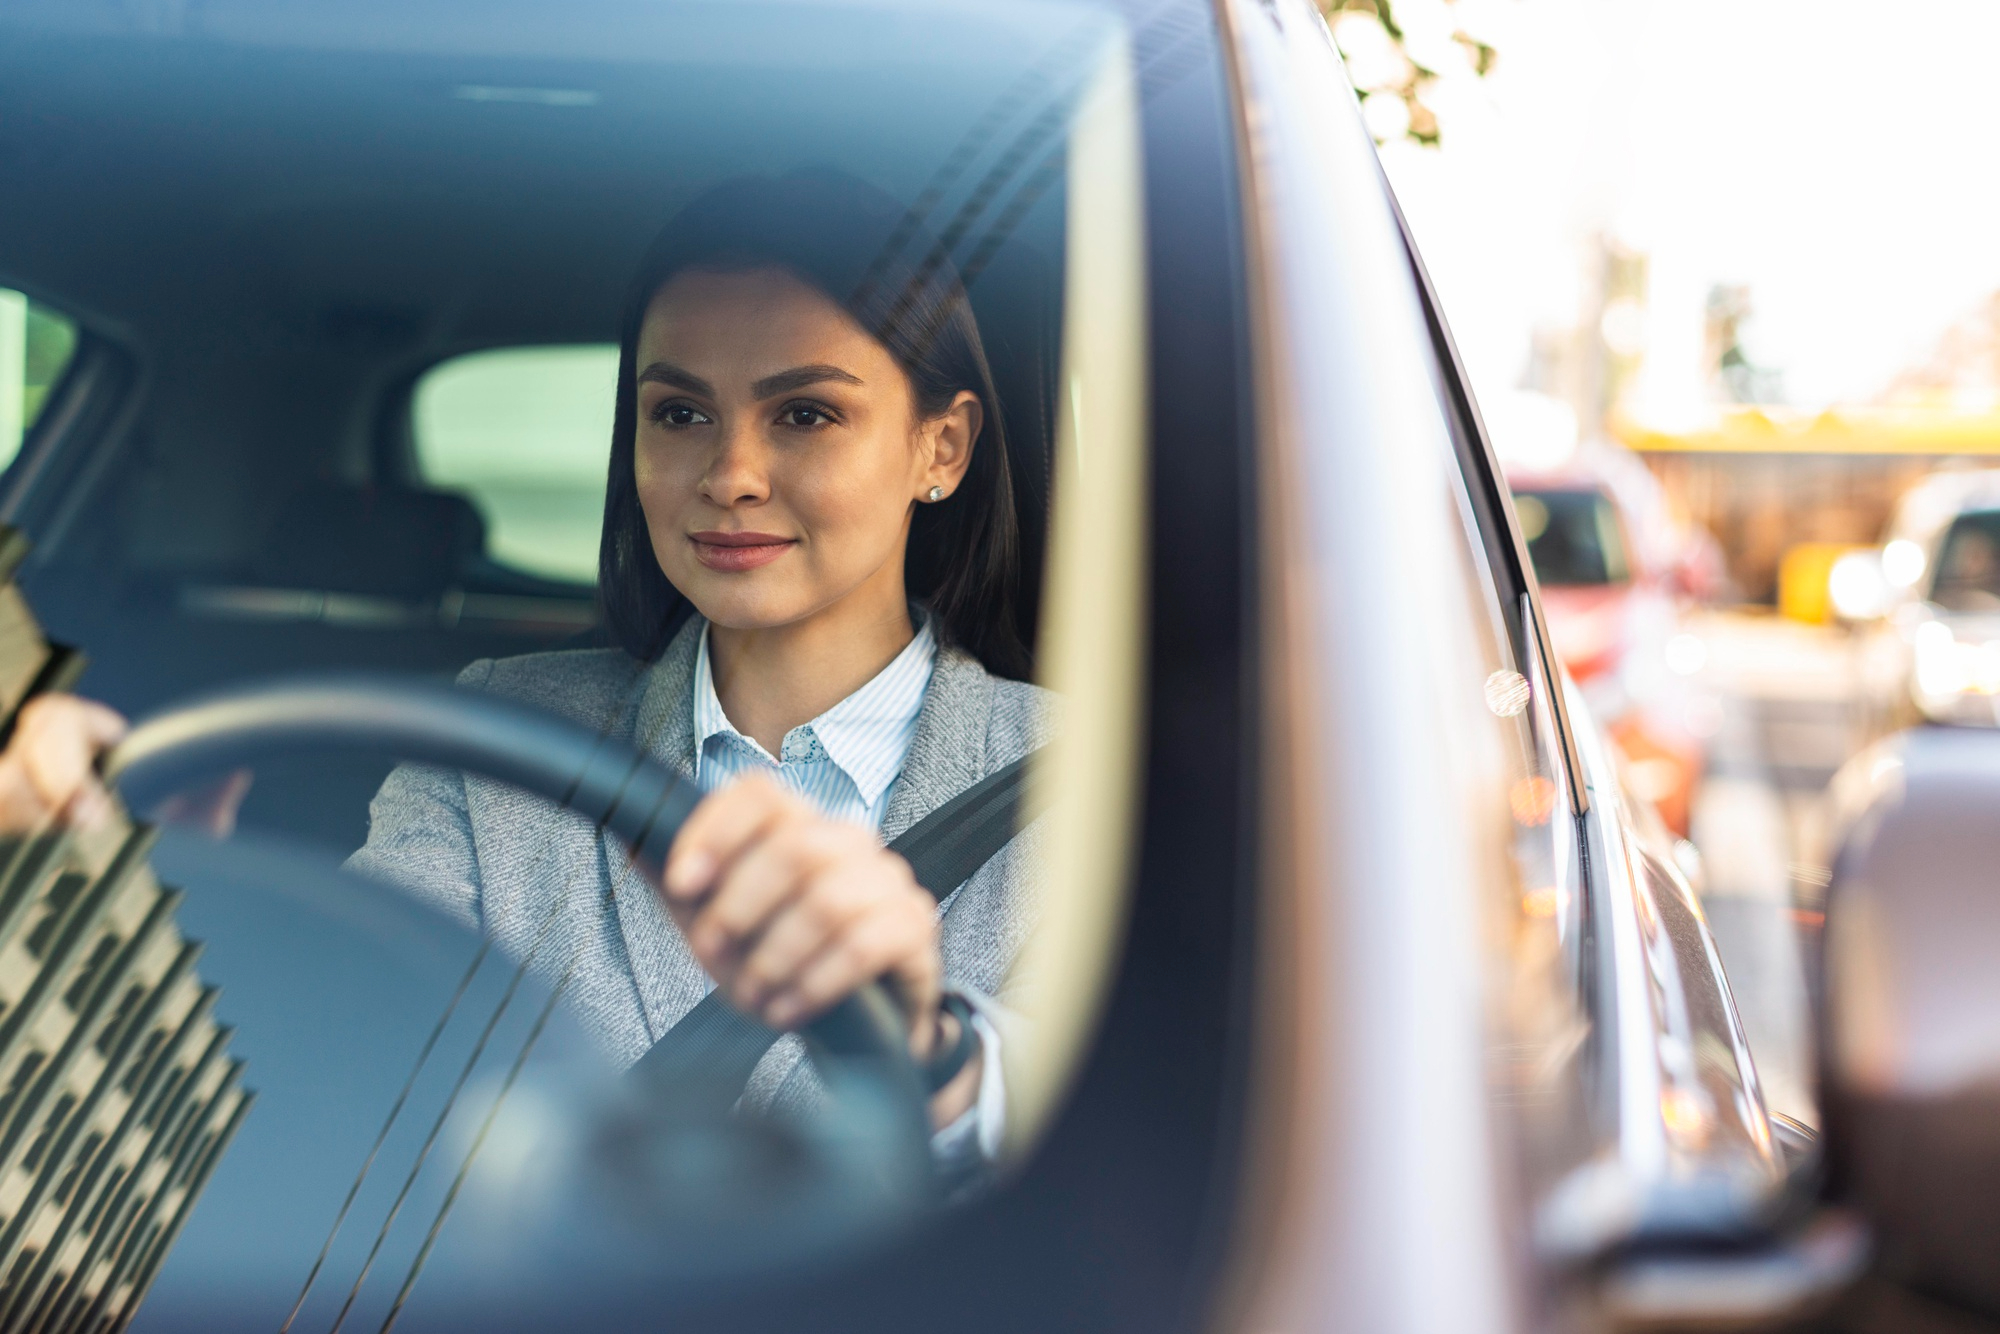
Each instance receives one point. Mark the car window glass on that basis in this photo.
(1574, 537)
(395, 1088)
(37, 344)
(1968, 567)
(525, 433)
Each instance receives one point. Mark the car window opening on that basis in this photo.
(408, 474)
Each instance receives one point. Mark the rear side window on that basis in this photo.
(1968, 568)
(1574, 537)
(37, 345)
(525, 434)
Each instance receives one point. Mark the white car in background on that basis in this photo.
(1941, 563)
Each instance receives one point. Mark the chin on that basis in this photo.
(741, 609)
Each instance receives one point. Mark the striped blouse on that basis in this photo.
(844, 761)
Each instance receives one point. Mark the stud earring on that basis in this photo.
(937, 494)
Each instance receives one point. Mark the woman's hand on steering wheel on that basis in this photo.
(791, 912)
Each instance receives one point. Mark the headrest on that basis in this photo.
(388, 541)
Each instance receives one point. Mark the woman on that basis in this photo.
(810, 564)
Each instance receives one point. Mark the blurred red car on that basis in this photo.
(1616, 571)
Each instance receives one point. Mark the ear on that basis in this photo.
(948, 439)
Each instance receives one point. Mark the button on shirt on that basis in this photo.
(844, 762)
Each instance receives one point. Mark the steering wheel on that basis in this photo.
(859, 1047)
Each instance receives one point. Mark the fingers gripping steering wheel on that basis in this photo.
(861, 1042)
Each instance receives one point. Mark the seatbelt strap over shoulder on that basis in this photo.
(944, 849)
(947, 847)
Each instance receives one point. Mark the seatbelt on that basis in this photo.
(719, 1045)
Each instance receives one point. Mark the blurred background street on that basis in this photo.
(1724, 276)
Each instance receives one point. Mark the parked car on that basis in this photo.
(1936, 584)
(1616, 574)
(1361, 997)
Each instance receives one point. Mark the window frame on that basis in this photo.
(46, 488)
(1493, 505)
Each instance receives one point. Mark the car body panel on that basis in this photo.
(1388, 1051)
(1686, 1148)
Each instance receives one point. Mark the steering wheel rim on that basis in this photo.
(604, 778)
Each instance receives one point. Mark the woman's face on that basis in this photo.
(779, 450)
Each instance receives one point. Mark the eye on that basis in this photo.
(678, 412)
(806, 415)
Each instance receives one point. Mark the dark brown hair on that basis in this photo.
(867, 253)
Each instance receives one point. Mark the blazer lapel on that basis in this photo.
(948, 753)
(664, 971)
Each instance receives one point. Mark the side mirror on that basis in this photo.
(1911, 1007)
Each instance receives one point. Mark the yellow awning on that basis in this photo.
(1772, 430)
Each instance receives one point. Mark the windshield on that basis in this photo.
(1968, 566)
(697, 390)
(1574, 537)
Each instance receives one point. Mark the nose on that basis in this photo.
(738, 471)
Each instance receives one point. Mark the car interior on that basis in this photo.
(272, 295)
(272, 229)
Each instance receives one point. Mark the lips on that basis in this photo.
(732, 552)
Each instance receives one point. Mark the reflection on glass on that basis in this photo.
(445, 1106)
(118, 1093)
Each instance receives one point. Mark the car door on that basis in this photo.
(1527, 1055)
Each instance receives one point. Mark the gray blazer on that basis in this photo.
(544, 882)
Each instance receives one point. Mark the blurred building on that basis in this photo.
(117, 1093)
(1765, 480)
(1762, 502)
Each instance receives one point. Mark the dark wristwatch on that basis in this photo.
(943, 1066)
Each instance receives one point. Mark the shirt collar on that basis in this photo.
(709, 719)
(867, 735)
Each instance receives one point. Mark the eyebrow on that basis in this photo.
(784, 382)
(661, 372)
